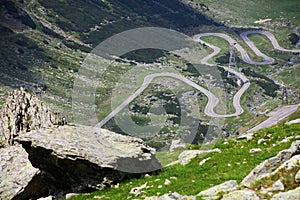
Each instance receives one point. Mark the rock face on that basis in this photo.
(270, 165)
(24, 112)
(38, 158)
(18, 178)
(80, 159)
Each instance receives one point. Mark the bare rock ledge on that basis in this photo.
(82, 159)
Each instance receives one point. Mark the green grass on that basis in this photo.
(244, 12)
(192, 178)
(291, 77)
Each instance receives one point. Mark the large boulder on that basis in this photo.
(23, 112)
(18, 178)
(266, 168)
(81, 159)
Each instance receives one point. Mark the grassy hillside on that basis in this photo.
(246, 13)
(44, 42)
(233, 163)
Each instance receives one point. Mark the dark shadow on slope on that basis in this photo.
(95, 20)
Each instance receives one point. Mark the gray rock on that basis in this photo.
(292, 163)
(254, 150)
(245, 194)
(70, 195)
(138, 190)
(270, 165)
(167, 182)
(277, 186)
(213, 192)
(202, 162)
(297, 177)
(176, 196)
(172, 163)
(84, 158)
(177, 144)
(18, 178)
(151, 198)
(24, 112)
(260, 141)
(186, 156)
(248, 136)
(287, 139)
(289, 195)
(296, 121)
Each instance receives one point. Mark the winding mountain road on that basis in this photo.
(244, 55)
(212, 99)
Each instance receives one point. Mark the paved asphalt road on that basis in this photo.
(212, 99)
(275, 116)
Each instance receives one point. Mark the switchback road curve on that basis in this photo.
(244, 55)
(212, 99)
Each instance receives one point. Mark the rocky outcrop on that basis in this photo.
(216, 191)
(297, 177)
(272, 178)
(277, 186)
(296, 121)
(245, 194)
(248, 136)
(80, 158)
(270, 165)
(24, 112)
(292, 194)
(21, 113)
(39, 158)
(18, 178)
(186, 156)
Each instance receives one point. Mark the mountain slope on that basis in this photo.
(44, 42)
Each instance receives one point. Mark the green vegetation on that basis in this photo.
(233, 163)
(243, 12)
(40, 58)
(105, 18)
